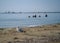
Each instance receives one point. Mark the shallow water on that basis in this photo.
(14, 20)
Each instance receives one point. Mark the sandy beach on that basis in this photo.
(38, 34)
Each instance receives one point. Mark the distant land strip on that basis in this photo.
(25, 12)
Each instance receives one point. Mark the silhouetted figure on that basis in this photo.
(46, 15)
(28, 16)
(34, 16)
(39, 16)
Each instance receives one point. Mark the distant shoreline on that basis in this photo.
(25, 12)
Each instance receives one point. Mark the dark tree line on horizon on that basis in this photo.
(24, 12)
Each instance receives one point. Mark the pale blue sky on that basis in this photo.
(29, 5)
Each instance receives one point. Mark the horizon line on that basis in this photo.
(24, 12)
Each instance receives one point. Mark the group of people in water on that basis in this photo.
(34, 16)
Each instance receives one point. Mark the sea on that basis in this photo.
(23, 20)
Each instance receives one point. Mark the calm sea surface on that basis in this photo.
(14, 20)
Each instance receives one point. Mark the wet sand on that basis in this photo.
(37, 34)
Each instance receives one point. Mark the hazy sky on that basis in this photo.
(29, 5)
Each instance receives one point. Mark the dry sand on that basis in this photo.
(38, 34)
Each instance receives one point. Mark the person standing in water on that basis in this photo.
(46, 15)
(34, 16)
